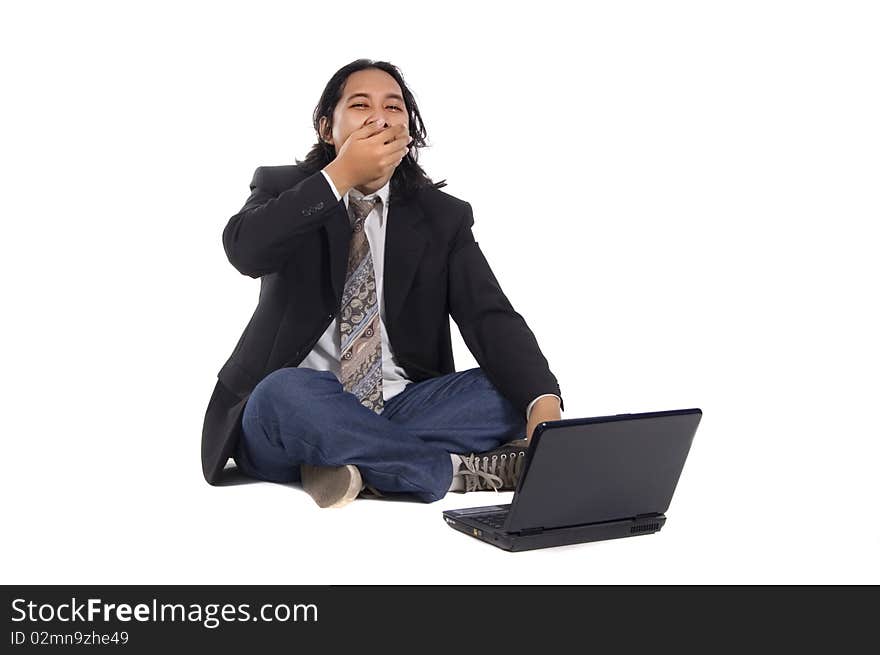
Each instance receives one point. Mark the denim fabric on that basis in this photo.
(301, 415)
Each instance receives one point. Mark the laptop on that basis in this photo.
(589, 479)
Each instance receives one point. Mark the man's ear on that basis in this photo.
(322, 129)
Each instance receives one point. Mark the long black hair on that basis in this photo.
(408, 177)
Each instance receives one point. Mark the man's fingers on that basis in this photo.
(398, 152)
(398, 138)
(401, 132)
(391, 134)
(371, 130)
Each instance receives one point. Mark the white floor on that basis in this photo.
(699, 230)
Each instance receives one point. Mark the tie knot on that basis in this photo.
(360, 208)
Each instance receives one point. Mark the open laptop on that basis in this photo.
(589, 479)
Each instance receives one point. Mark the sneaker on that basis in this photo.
(331, 486)
(497, 469)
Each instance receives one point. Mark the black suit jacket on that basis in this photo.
(294, 235)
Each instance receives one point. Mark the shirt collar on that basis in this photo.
(382, 193)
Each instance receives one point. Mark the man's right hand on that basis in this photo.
(371, 153)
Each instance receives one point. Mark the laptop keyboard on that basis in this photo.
(493, 519)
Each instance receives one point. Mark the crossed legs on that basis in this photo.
(300, 416)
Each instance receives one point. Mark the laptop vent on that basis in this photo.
(647, 527)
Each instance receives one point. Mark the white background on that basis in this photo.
(679, 197)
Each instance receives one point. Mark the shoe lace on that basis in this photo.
(483, 472)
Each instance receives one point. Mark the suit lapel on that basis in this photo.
(404, 244)
(339, 236)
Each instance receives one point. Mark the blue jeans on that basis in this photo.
(301, 415)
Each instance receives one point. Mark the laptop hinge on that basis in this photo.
(652, 515)
(530, 531)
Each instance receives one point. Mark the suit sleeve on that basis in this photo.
(497, 336)
(261, 237)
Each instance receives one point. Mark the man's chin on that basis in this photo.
(375, 185)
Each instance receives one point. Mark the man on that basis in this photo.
(344, 378)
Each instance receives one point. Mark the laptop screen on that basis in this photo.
(602, 469)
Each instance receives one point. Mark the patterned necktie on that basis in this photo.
(360, 331)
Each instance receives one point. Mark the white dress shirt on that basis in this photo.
(326, 354)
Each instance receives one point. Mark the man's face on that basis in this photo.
(382, 99)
